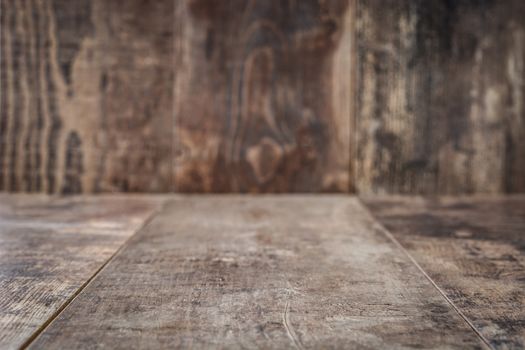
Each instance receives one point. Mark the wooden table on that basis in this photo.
(288, 271)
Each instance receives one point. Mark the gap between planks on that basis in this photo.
(59, 311)
(391, 237)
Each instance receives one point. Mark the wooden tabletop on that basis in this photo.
(50, 247)
(474, 250)
(288, 271)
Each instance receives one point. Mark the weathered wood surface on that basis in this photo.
(86, 95)
(440, 97)
(50, 247)
(263, 95)
(474, 249)
(260, 272)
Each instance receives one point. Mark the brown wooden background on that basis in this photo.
(397, 96)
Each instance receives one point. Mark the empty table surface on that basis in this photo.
(271, 271)
(49, 247)
(474, 250)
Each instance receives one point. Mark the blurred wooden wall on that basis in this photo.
(397, 96)
(263, 95)
(87, 95)
(441, 96)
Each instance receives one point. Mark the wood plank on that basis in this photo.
(260, 272)
(49, 247)
(262, 96)
(86, 95)
(440, 97)
(474, 249)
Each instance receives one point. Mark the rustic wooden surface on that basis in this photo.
(260, 272)
(86, 95)
(474, 249)
(263, 95)
(440, 97)
(396, 96)
(50, 247)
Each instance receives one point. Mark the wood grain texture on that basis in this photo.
(50, 247)
(474, 249)
(440, 97)
(409, 96)
(262, 96)
(235, 272)
(86, 95)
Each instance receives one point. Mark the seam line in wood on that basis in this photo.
(59, 311)
(355, 115)
(177, 51)
(391, 237)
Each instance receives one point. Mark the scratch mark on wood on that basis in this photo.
(289, 328)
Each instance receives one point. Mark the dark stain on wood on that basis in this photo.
(73, 20)
(262, 96)
(54, 121)
(474, 249)
(74, 167)
(440, 96)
